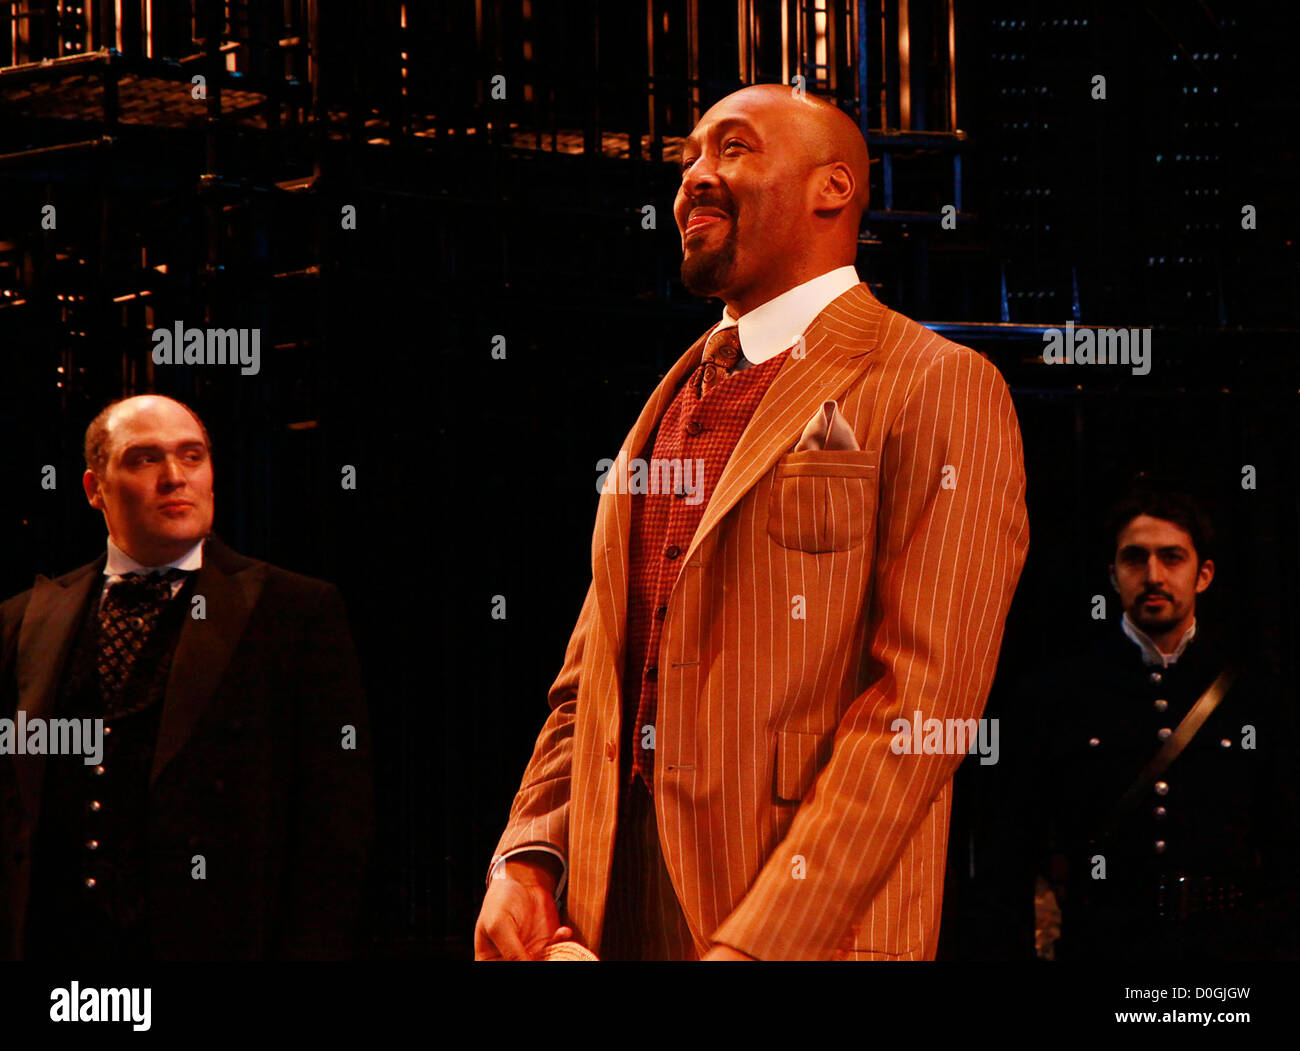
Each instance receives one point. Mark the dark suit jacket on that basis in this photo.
(249, 769)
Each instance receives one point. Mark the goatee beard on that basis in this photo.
(1154, 623)
(704, 273)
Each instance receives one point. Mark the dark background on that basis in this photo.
(522, 218)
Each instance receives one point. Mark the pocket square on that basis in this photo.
(827, 431)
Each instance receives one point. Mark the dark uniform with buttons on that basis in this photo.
(1201, 865)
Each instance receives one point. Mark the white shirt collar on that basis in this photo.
(1150, 651)
(776, 325)
(120, 563)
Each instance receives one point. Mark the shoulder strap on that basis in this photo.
(1172, 748)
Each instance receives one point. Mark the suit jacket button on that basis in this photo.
(611, 752)
(1162, 788)
(1162, 705)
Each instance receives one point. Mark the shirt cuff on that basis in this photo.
(500, 860)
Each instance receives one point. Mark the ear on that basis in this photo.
(836, 187)
(90, 483)
(1204, 575)
(1114, 581)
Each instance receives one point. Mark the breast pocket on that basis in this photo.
(823, 501)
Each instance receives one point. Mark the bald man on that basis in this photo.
(184, 749)
(790, 633)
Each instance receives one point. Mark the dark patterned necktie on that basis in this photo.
(127, 617)
(721, 352)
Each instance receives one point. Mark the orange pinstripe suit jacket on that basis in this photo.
(824, 595)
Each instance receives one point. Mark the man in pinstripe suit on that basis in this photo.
(716, 778)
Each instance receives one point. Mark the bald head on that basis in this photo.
(823, 132)
(98, 434)
(774, 187)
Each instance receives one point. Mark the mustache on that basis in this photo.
(1155, 594)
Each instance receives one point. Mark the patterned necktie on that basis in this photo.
(127, 617)
(720, 353)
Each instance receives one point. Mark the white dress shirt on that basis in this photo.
(777, 324)
(1150, 651)
(119, 564)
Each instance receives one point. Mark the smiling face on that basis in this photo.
(773, 185)
(1157, 575)
(155, 487)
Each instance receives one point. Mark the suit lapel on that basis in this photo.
(836, 344)
(48, 631)
(230, 585)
